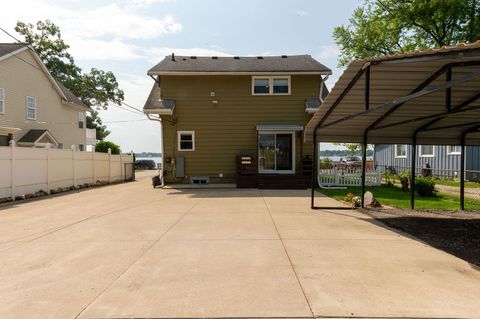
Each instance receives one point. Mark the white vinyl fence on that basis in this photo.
(29, 170)
(348, 177)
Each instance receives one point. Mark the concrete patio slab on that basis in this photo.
(211, 278)
(131, 251)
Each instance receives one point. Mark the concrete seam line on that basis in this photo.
(50, 231)
(139, 257)
(288, 256)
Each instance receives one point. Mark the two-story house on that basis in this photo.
(215, 109)
(35, 109)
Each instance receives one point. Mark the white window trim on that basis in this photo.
(406, 151)
(3, 101)
(270, 84)
(273, 171)
(426, 155)
(26, 108)
(82, 115)
(178, 141)
(449, 150)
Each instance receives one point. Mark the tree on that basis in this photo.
(103, 147)
(352, 147)
(96, 89)
(384, 27)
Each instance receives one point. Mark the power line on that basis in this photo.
(132, 107)
(11, 36)
(125, 109)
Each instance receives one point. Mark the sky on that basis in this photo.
(128, 37)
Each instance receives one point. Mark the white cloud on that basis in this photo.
(301, 13)
(114, 50)
(156, 54)
(143, 3)
(328, 52)
(264, 53)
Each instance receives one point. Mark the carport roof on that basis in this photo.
(435, 93)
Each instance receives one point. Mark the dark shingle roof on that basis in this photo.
(32, 136)
(70, 96)
(287, 64)
(154, 101)
(6, 48)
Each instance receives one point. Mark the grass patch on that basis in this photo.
(455, 183)
(393, 196)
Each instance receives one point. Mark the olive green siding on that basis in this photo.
(224, 129)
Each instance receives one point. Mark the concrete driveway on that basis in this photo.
(129, 251)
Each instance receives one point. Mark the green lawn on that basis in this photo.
(393, 196)
(451, 182)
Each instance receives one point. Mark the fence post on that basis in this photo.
(74, 156)
(93, 168)
(48, 146)
(12, 169)
(109, 165)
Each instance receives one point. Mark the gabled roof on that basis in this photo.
(11, 49)
(248, 65)
(33, 136)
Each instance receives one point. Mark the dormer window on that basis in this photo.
(271, 85)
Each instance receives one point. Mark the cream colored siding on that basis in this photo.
(19, 80)
(224, 129)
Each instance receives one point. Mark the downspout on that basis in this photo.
(159, 119)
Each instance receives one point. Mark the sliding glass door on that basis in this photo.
(276, 152)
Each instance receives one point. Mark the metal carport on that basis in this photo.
(427, 97)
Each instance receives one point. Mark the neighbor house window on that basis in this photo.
(271, 85)
(81, 147)
(81, 120)
(186, 140)
(400, 151)
(60, 146)
(454, 149)
(31, 108)
(427, 151)
(2, 101)
(276, 152)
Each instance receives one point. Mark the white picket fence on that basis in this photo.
(28, 170)
(348, 177)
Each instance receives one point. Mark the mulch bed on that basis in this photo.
(457, 233)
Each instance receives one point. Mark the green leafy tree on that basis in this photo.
(382, 27)
(96, 88)
(103, 147)
(351, 147)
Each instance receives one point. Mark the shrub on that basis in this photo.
(103, 147)
(326, 163)
(357, 201)
(404, 180)
(425, 187)
(349, 197)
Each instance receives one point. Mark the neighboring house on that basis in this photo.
(444, 161)
(214, 109)
(35, 109)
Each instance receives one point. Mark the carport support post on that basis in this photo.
(412, 176)
(462, 174)
(364, 168)
(315, 165)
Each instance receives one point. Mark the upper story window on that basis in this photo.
(31, 108)
(271, 85)
(427, 151)
(2, 101)
(400, 151)
(186, 140)
(81, 120)
(454, 149)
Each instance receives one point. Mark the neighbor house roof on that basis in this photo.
(432, 94)
(9, 48)
(33, 136)
(70, 97)
(12, 49)
(249, 65)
